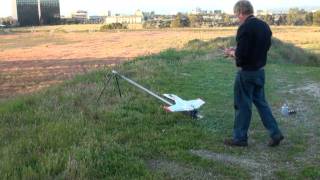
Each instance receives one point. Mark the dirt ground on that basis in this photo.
(33, 60)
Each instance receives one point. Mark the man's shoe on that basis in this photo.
(275, 141)
(232, 142)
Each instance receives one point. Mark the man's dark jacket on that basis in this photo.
(253, 42)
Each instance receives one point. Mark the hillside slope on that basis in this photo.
(64, 133)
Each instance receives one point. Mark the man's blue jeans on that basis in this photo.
(248, 88)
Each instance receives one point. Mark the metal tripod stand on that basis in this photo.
(108, 78)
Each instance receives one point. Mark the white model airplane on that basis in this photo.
(180, 105)
(183, 105)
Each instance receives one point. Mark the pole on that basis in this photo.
(142, 88)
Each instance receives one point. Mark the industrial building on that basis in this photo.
(36, 12)
(49, 12)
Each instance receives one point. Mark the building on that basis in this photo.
(27, 12)
(137, 18)
(49, 11)
(97, 19)
(36, 12)
(80, 16)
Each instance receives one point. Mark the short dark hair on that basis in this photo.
(243, 7)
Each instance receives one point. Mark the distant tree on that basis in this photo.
(7, 21)
(180, 21)
(195, 20)
(268, 19)
(316, 18)
(164, 24)
(280, 20)
(176, 22)
(149, 24)
(297, 16)
(309, 18)
(284, 19)
(292, 15)
(227, 19)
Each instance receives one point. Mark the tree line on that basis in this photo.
(295, 16)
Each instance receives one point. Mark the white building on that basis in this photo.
(80, 15)
(137, 18)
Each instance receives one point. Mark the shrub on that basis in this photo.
(113, 26)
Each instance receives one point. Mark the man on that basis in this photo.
(253, 42)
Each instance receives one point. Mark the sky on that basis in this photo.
(100, 7)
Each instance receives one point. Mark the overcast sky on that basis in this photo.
(99, 7)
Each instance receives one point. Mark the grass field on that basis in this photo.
(63, 133)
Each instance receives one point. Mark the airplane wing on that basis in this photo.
(172, 97)
(196, 103)
(178, 108)
(185, 105)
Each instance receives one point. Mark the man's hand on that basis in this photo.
(230, 52)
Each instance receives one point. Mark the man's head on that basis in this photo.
(242, 9)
